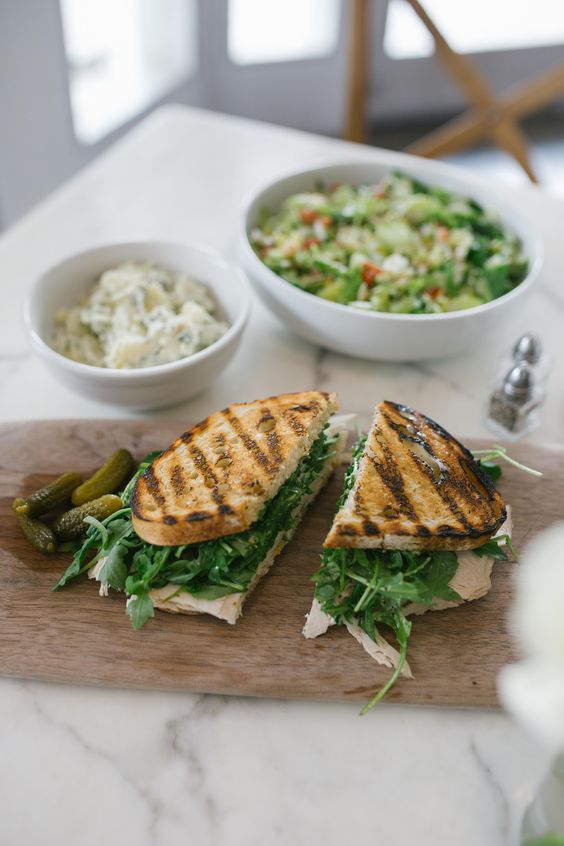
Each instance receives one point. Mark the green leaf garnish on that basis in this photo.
(492, 470)
(139, 609)
(493, 548)
(498, 452)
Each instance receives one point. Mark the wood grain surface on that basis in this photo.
(75, 635)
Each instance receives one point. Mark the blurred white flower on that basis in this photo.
(533, 689)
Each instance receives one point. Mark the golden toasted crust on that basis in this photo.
(417, 488)
(215, 478)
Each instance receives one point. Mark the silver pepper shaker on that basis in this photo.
(513, 407)
(530, 349)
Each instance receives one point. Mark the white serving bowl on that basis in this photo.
(379, 335)
(147, 387)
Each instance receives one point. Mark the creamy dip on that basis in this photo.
(138, 315)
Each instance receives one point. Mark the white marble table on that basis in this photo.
(90, 766)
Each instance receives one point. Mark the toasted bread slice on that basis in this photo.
(215, 479)
(416, 488)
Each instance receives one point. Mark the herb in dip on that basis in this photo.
(138, 315)
(398, 246)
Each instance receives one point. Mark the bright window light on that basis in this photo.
(282, 30)
(123, 55)
(475, 26)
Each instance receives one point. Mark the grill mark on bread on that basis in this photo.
(461, 482)
(201, 463)
(465, 459)
(210, 478)
(312, 406)
(177, 480)
(249, 443)
(272, 440)
(296, 425)
(196, 516)
(153, 486)
(274, 446)
(360, 506)
(441, 490)
(391, 476)
(469, 466)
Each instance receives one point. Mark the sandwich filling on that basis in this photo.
(365, 588)
(208, 570)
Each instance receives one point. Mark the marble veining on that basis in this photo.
(90, 765)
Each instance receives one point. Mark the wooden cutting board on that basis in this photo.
(76, 636)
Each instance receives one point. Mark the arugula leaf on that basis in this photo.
(139, 609)
(491, 469)
(114, 569)
(78, 565)
(402, 628)
(493, 549)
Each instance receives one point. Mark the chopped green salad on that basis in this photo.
(398, 246)
(207, 570)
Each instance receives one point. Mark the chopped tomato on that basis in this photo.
(308, 215)
(442, 233)
(435, 292)
(370, 272)
(326, 220)
(310, 242)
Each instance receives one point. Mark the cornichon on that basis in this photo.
(38, 534)
(71, 525)
(109, 478)
(48, 497)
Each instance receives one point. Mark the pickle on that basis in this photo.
(49, 496)
(38, 534)
(117, 470)
(71, 525)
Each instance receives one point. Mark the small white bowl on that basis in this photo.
(379, 335)
(147, 387)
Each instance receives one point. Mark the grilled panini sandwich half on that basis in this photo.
(227, 495)
(418, 527)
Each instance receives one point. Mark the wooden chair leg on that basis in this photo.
(488, 117)
(357, 72)
(534, 94)
(510, 137)
(455, 135)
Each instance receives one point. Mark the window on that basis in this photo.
(281, 30)
(474, 26)
(122, 56)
